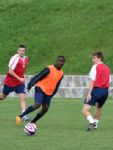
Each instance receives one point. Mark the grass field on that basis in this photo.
(63, 128)
(74, 28)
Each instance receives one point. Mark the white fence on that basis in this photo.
(72, 86)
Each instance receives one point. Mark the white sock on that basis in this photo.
(97, 121)
(90, 119)
(23, 111)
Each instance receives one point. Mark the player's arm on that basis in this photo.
(12, 73)
(38, 77)
(12, 65)
(92, 77)
(110, 78)
(91, 85)
(26, 76)
(57, 86)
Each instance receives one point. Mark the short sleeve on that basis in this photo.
(110, 79)
(92, 74)
(13, 62)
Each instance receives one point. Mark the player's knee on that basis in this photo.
(45, 108)
(36, 106)
(2, 96)
(22, 97)
(85, 110)
(23, 100)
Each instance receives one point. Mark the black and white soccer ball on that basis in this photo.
(30, 129)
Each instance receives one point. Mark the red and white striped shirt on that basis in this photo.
(18, 65)
(100, 74)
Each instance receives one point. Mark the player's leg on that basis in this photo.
(86, 110)
(2, 96)
(101, 101)
(97, 115)
(22, 98)
(41, 113)
(45, 107)
(30, 109)
(87, 114)
(20, 90)
(38, 97)
(5, 92)
(27, 111)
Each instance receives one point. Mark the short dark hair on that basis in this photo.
(21, 46)
(61, 56)
(99, 54)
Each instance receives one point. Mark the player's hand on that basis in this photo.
(25, 77)
(88, 97)
(22, 79)
(28, 89)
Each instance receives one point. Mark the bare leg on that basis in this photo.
(87, 114)
(2, 96)
(97, 115)
(97, 112)
(22, 98)
(86, 110)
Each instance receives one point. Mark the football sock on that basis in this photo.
(22, 113)
(97, 121)
(27, 111)
(90, 119)
(37, 117)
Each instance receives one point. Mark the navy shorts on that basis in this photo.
(41, 98)
(99, 96)
(18, 89)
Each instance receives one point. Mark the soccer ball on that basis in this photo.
(30, 129)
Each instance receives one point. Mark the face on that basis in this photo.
(95, 60)
(60, 62)
(21, 52)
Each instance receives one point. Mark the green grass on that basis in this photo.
(63, 128)
(74, 28)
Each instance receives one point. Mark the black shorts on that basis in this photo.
(99, 96)
(18, 89)
(41, 98)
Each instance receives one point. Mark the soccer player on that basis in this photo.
(15, 79)
(98, 89)
(46, 85)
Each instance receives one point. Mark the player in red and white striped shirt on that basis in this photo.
(15, 79)
(98, 89)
